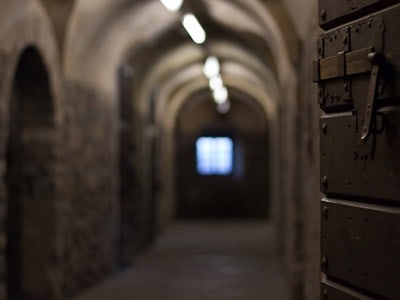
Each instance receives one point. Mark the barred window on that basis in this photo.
(214, 155)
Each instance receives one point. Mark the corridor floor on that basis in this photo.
(202, 261)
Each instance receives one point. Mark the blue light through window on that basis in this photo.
(214, 155)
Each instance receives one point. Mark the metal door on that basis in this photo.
(358, 75)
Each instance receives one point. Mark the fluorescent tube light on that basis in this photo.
(220, 95)
(172, 5)
(194, 29)
(211, 67)
(224, 108)
(216, 83)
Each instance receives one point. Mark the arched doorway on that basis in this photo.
(30, 222)
(228, 177)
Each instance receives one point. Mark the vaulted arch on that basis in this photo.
(31, 204)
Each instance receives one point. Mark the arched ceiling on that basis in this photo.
(173, 71)
(59, 13)
(103, 33)
(100, 32)
(30, 20)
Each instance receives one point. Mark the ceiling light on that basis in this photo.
(211, 67)
(172, 5)
(194, 28)
(220, 95)
(224, 108)
(216, 82)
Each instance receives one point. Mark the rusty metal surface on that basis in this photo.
(333, 13)
(361, 133)
(350, 63)
(367, 170)
(360, 246)
(358, 75)
(333, 291)
(343, 60)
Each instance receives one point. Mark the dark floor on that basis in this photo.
(202, 261)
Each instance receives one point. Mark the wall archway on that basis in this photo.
(30, 153)
(174, 95)
(243, 192)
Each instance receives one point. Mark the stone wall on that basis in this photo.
(82, 224)
(89, 137)
(25, 25)
(307, 133)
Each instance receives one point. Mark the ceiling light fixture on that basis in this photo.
(194, 29)
(172, 5)
(220, 95)
(224, 108)
(211, 67)
(216, 82)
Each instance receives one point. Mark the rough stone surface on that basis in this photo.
(91, 158)
(24, 24)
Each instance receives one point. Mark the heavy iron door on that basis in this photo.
(358, 75)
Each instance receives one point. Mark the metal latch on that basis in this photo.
(352, 63)
(343, 64)
(376, 60)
